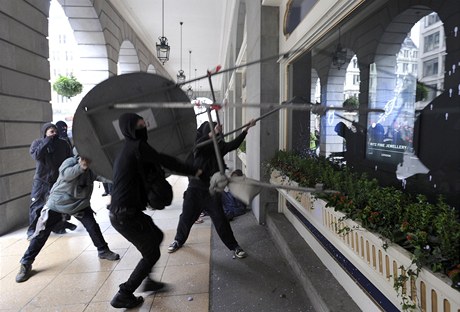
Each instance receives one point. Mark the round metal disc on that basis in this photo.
(96, 132)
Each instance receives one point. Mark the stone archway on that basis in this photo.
(128, 61)
(92, 45)
(333, 95)
(151, 69)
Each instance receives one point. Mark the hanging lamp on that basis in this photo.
(189, 89)
(180, 74)
(339, 57)
(163, 47)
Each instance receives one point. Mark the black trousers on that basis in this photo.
(86, 217)
(140, 230)
(40, 193)
(195, 200)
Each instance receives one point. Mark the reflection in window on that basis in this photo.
(351, 84)
(402, 82)
(390, 134)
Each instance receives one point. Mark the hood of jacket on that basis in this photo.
(204, 130)
(45, 127)
(62, 129)
(127, 123)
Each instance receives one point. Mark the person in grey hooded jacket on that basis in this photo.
(71, 195)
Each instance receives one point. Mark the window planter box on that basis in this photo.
(355, 248)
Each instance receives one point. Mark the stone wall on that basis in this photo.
(25, 90)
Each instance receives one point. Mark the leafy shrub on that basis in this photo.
(431, 231)
(67, 86)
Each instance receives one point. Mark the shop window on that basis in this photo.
(401, 83)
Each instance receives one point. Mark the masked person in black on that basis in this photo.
(48, 152)
(62, 131)
(197, 196)
(129, 199)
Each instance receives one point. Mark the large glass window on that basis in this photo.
(431, 42)
(402, 82)
(430, 67)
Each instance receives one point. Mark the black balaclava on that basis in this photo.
(127, 123)
(141, 134)
(45, 128)
(62, 129)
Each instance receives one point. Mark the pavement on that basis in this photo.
(263, 281)
(202, 275)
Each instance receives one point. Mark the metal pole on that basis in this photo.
(216, 145)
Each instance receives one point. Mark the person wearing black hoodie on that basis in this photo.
(62, 132)
(197, 196)
(129, 199)
(48, 152)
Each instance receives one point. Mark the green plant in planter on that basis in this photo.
(67, 86)
(351, 103)
(431, 231)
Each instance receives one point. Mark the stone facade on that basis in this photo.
(25, 90)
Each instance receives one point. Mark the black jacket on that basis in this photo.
(205, 156)
(48, 153)
(136, 158)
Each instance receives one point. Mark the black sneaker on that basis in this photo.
(122, 300)
(174, 246)
(151, 285)
(24, 274)
(108, 255)
(240, 253)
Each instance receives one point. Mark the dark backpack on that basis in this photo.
(159, 191)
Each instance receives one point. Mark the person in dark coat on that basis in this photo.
(48, 152)
(129, 199)
(197, 196)
(61, 227)
(62, 132)
(71, 195)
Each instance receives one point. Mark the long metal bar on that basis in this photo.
(213, 97)
(293, 106)
(318, 189)
(244, 126)
(216, 145)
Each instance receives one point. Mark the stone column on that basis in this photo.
(299, 120)
(262, 141)
(25, 95)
